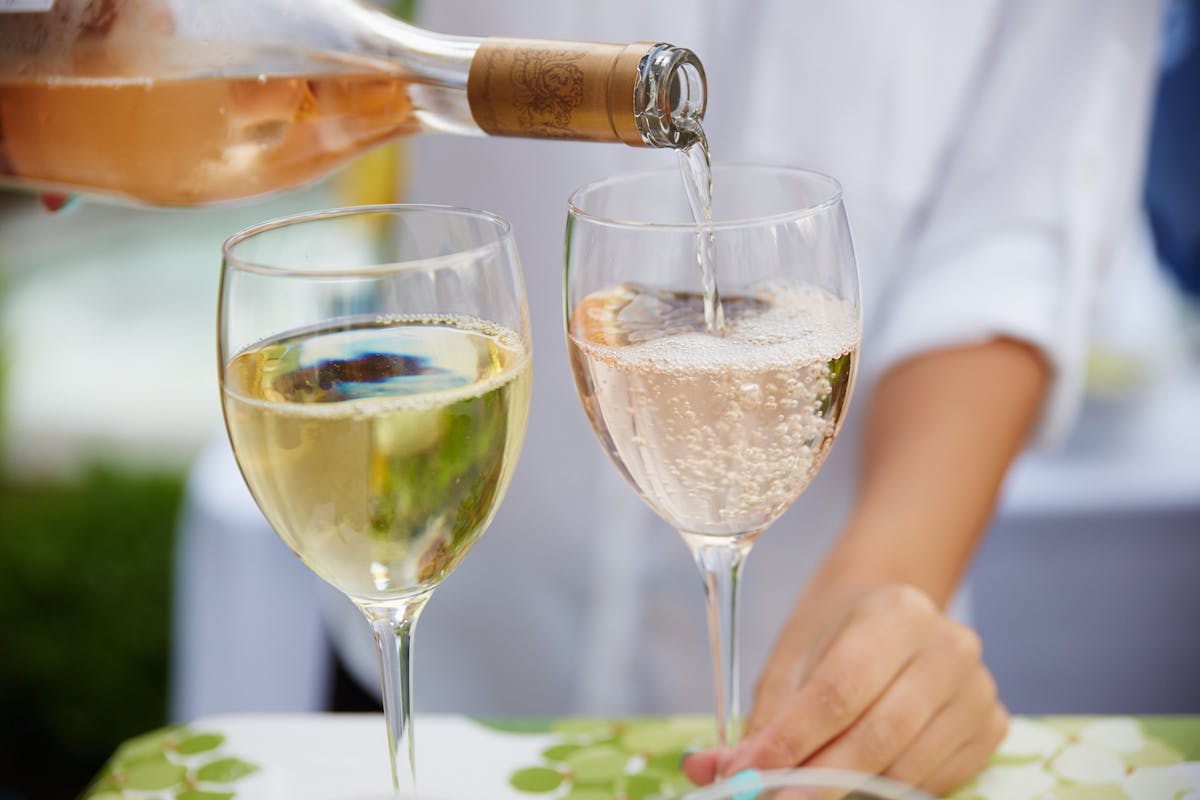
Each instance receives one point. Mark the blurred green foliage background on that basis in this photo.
(85, 572)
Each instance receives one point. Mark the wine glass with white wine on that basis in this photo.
(375, 376)
(718, 408)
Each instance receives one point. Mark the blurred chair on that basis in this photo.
(1173, 168)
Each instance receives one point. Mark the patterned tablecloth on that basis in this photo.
(329, 756)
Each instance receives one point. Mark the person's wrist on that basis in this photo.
(848, 571)
(871, 553)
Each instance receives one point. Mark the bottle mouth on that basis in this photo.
(671, 96)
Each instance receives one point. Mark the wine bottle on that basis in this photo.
(184, 103)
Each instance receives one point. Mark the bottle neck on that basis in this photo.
(670, 96)
(435, 58)
(436, 65)
(643, 94)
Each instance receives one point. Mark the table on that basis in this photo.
(322, 756)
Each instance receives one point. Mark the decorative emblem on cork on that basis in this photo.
(555, 89)
(547, 87)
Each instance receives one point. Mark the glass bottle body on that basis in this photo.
(175, 103)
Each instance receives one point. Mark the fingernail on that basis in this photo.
(57, 203)
(686, 754)
(746, 784)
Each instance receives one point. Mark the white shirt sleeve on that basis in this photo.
(1034, 192)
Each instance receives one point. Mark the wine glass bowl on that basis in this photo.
(719, 431)
(375, 376)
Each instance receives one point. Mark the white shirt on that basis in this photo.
(990, 155)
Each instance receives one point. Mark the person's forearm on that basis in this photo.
(941, 431)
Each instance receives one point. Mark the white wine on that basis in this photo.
(193, 125)
(719, 434)
(380, 450)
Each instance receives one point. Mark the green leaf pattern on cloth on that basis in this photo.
(172, 763)
(1052, 758)
(608, 759)
(1086, 758)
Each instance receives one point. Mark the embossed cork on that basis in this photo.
(556, 89)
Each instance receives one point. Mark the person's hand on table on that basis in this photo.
(885, 683)
(868, 673)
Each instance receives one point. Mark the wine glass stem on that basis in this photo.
(394, 624)
(720, 561)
